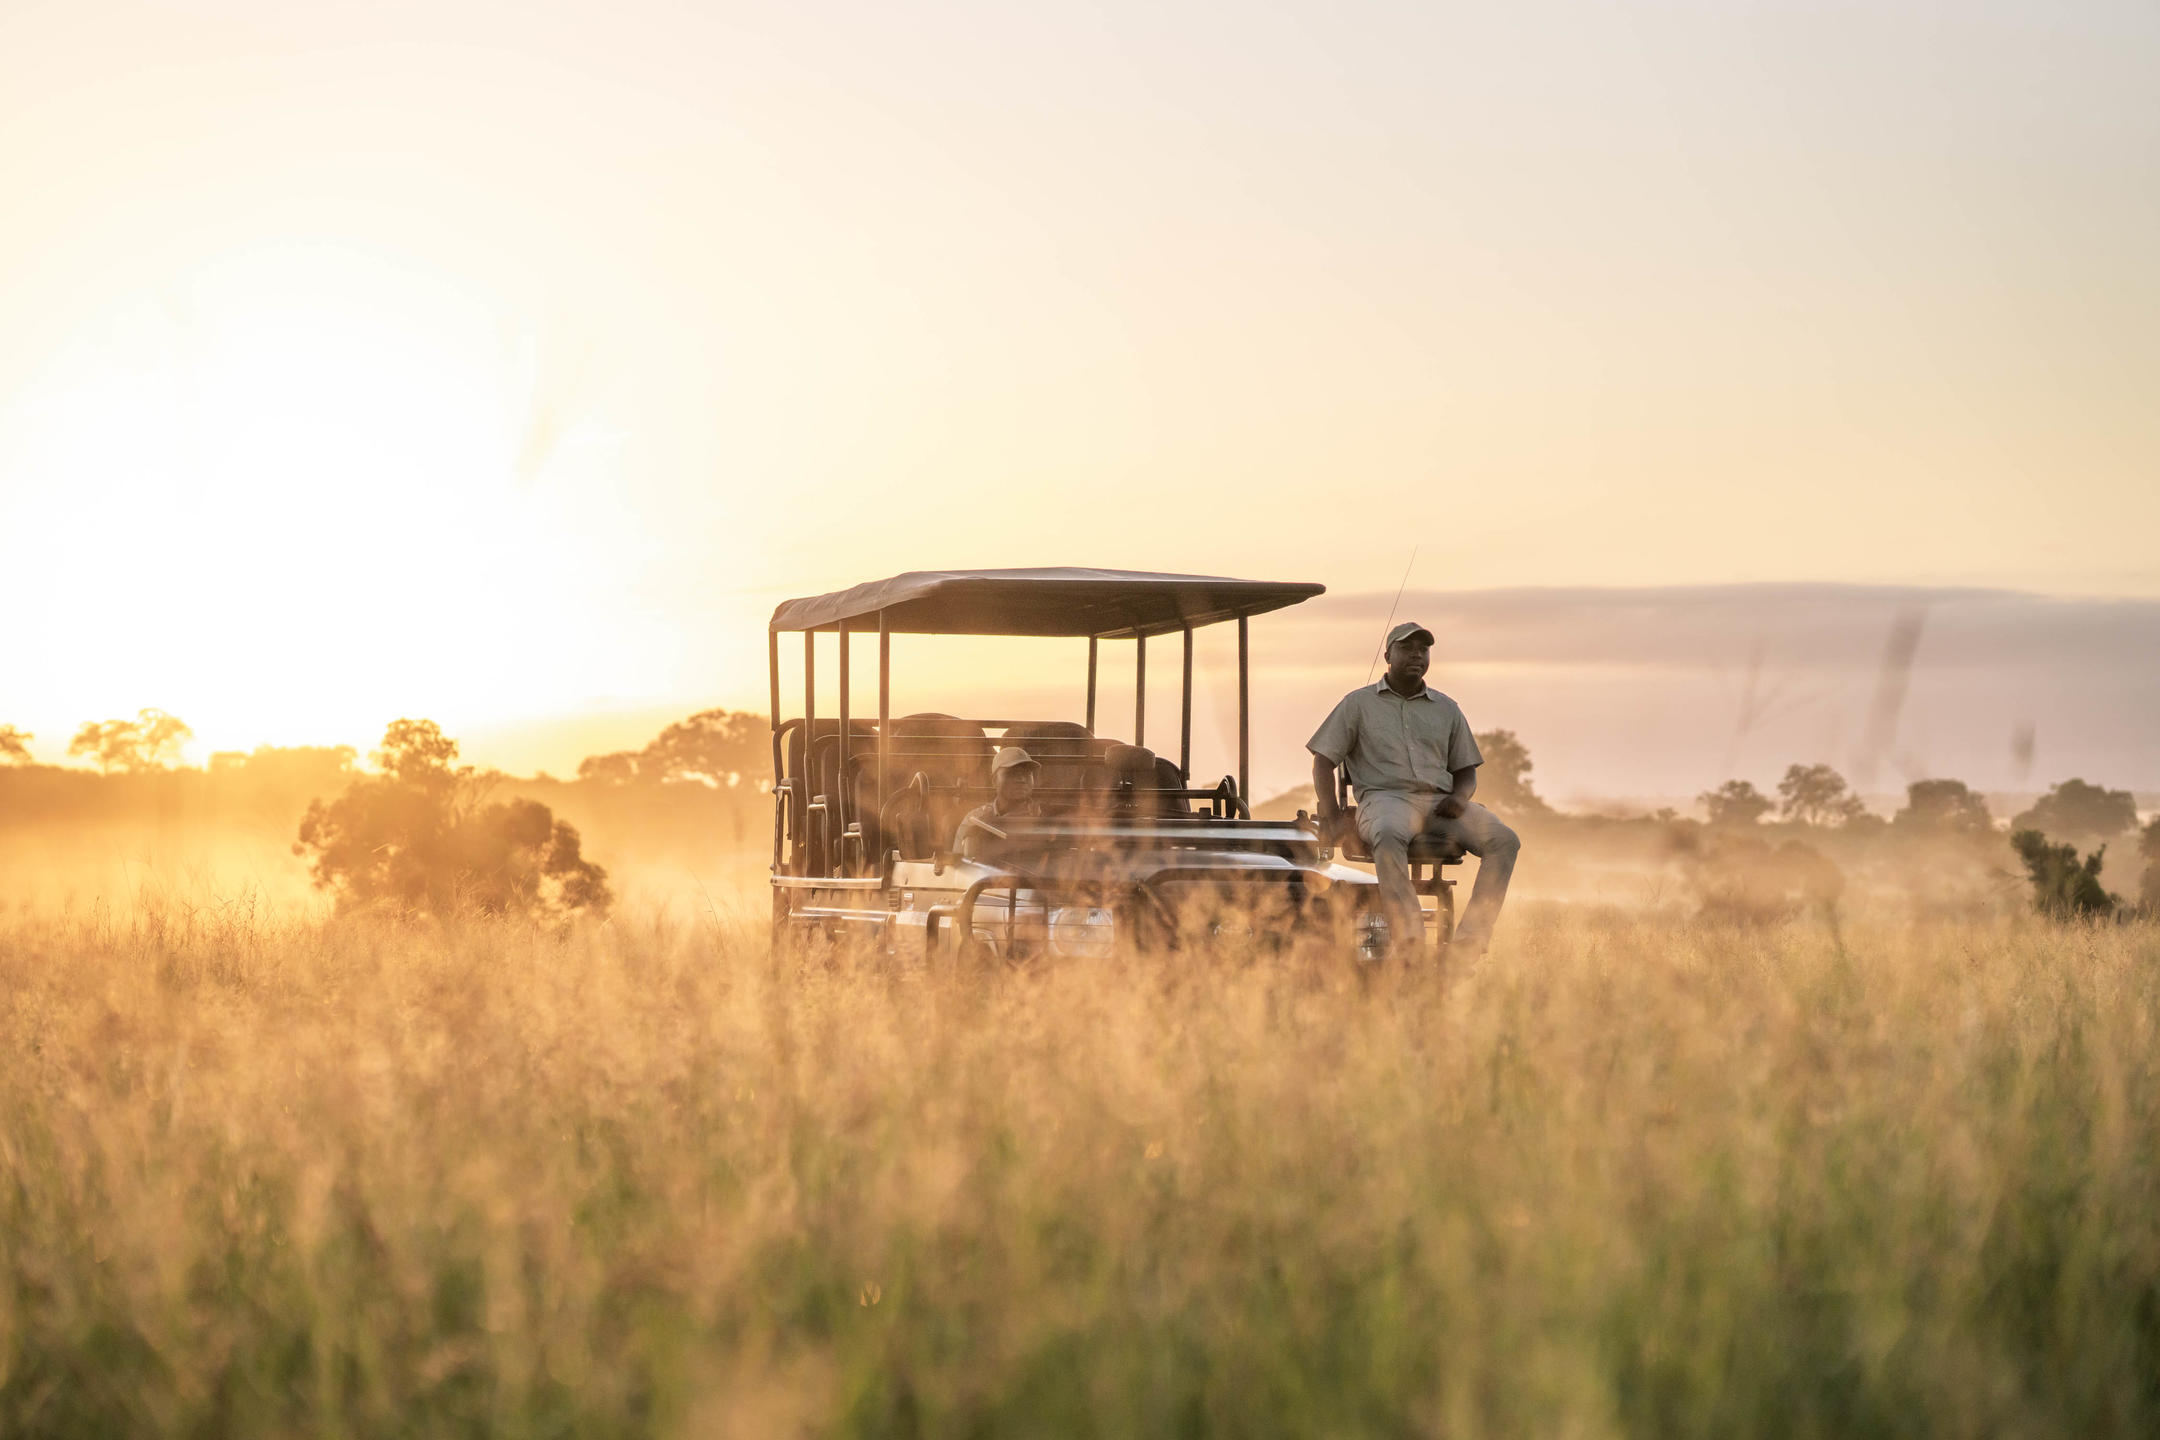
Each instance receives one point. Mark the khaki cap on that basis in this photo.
(1010, 757)
(1406, 630)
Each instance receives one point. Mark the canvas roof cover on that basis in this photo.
(1111, 604)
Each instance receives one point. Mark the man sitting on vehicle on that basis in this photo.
(1412, 759)
(1014, 773)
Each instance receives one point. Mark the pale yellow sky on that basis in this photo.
(503, 362)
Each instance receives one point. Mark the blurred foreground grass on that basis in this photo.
(1635, 1176)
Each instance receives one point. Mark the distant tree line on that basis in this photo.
(2047, 838)
(420, 832)
(151, 741)
(1816, 795)
(715, 748)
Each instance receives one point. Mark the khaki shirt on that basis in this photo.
(1389, 743)
(970, 838)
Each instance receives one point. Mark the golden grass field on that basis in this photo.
(277, 1174)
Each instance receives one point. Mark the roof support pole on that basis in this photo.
(840, 801)
(772, 666)
(808, 702)
(1139, 694)
(1091, 686)
(806, 848)
(1184, 747)
(1244, 711)
(772, 670)
(884, 713)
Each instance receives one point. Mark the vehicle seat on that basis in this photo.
(818, 750)
(953, 757)
(1149, 775)
(1066, 753)
(826, 779)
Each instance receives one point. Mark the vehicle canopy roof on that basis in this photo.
(1107, 604)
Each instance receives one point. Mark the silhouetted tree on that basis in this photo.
(1504, 778)
(1817, 795)
(420, 836)
(151, 741)
(2080, 812)
(1736, 802)
(1943, 807)
(713, 747)
(2064, 886)
(418, 754)
(14, 745)
(618, 768)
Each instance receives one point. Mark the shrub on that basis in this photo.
(2064, 886)
(422, 837)
(1736, 802)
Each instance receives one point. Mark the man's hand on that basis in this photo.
(1456, 803)
(1323, 784)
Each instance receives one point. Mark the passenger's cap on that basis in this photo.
(1409, 629)
(1009, 756)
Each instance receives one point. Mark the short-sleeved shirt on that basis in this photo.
(1386, 742)
(969, 838)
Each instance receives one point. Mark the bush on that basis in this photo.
(2064, 886)
(1736, 802)
(422, 837)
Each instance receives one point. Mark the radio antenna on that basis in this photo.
(1382, 647)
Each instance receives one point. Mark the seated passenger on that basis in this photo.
(1013, 772)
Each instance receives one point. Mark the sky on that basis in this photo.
(507, 363)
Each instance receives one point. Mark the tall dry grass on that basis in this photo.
(1634, 1176)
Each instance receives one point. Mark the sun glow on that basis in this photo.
(305, 483)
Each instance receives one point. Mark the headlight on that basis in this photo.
(1236, 928)
(1372, 937)
(1084, 932)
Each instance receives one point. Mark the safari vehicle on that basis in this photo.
(1127, 847)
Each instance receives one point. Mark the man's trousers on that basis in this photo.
(1389, 820)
